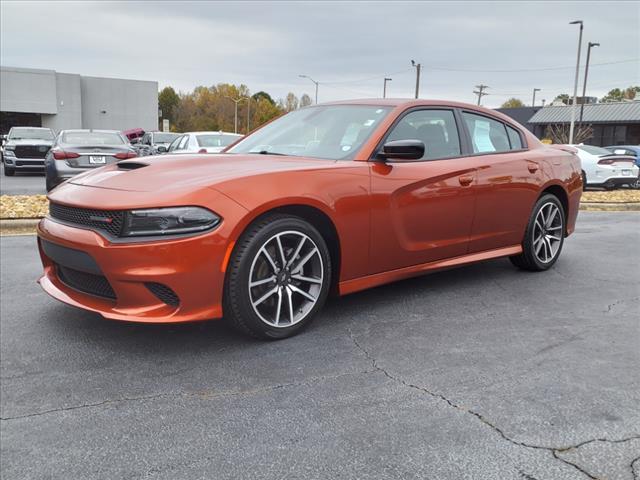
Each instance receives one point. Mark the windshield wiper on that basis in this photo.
(266, 152)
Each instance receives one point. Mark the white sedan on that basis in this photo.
(202, 142)
(601, 168)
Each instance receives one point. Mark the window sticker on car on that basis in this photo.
(482, 137)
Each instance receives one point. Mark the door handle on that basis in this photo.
(465, 180)
(533, 167)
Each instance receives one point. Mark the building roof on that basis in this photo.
(622, 112)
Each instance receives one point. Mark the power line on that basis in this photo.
(544, 69)
(377, 77)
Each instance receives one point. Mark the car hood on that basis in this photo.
(170, 172)
(30, 141)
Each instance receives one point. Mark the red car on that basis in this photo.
(336, 197)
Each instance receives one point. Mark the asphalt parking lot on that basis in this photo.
(22, 183)
(484, 372)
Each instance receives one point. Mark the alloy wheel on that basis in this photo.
(286, 279)
(547, 232)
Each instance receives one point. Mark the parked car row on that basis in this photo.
(70, 152)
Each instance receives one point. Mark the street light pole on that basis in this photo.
(384, 88)
(575, 84)
(248, 113)
(586, 73)
(418, 67)
(235, 120)
(533, 101)
(317, 83)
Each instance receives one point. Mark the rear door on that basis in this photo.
(508, 179)
(422, 210)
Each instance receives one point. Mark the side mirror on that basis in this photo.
(162, 149)
(400, 150)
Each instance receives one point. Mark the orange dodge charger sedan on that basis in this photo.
(336, 197)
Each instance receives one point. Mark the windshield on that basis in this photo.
(30, 133)
(164, 137)
(216, 140)
(92, 138)
(594, 150)
(334, 132)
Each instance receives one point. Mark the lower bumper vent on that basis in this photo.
(164, 293)
(97, 285)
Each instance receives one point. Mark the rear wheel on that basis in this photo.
(278, 277)
(584, 180)
(544, 236)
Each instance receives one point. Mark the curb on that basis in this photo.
(610, 207)
(18, 226)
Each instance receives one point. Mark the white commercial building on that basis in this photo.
(33, 97)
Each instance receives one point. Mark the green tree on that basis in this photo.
(263, 95)
(512, 103)
(563, 97)
(168, 101)
(618, 95)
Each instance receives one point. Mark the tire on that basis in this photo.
(9, 172)
(536, 257)
(584, 181)
(279, 304)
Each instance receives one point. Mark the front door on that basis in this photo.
(422, 211)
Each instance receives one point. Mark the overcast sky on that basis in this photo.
(348, 47)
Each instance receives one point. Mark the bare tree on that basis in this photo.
(291, 102)
(305, 100)
(559, 133)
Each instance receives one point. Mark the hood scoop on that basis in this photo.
(131, 165)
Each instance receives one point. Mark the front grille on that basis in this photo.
(86, 282)
(109, 221)
(31, 151)
(164, 293)
(29, 163)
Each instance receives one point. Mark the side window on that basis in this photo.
(174, 144)
(183, 143)
(435, 128)
(514, 138)
(487, 135)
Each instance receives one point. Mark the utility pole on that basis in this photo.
(481, 92)
(317, 83)
(384, 88)
(533, 101)
(586, 73)
(575, 84)
(248, 113)
(418, 67)
(235, 120)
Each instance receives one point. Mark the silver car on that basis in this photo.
(25, 149)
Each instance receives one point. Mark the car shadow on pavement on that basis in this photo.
(339, 313)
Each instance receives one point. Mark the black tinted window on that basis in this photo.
(435, 128)
(514, 138)
(487, 135)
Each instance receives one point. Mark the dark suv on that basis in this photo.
(26, 148)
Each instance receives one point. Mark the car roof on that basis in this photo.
(90, 130)
(213, 133)
(32, 128)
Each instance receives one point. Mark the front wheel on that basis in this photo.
(278, 277)
(9, 171)
(544, 236)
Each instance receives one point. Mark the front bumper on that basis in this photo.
(191, 267)
(36, 164)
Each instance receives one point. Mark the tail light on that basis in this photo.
(203, 150)
(60, 154)
(125, 155)
(611, 161)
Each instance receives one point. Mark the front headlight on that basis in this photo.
(9, 150)
(168, 221)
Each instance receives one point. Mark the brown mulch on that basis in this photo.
(36, 206)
